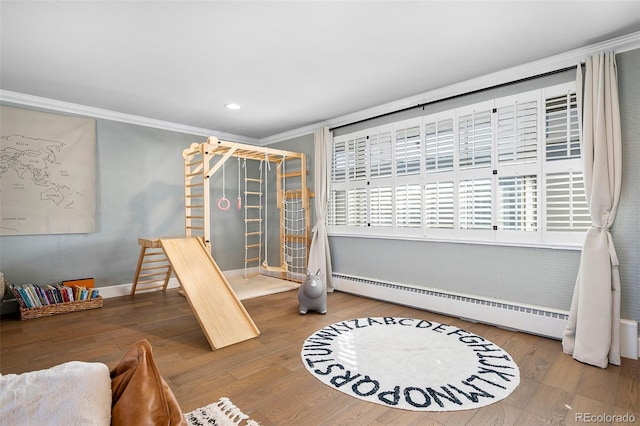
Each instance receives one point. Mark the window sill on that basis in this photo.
(552, 246)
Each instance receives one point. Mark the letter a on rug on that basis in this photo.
(411, 364)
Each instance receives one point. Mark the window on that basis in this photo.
(507, 171)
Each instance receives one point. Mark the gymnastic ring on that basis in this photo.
(239, 203)
(224, 204)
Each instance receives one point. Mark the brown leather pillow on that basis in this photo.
(140, 396)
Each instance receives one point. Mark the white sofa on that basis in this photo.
(73, 393)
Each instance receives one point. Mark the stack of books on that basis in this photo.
(32, 296)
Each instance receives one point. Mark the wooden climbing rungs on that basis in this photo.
(153, 270)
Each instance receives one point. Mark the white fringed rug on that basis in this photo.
(410, 364)
(221, 413)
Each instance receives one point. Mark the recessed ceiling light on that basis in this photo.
(232, 106)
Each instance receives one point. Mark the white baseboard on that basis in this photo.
(125, 289)
(537, 320)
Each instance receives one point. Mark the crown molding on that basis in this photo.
(68, 107)
(567, 59)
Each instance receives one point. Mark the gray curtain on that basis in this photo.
(319, 254)
(592, 334)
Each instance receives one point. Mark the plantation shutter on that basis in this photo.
(337, 208)
(439, 205)
(475, 139)
(566, 202)
(409, 206)
(566, 208)
(518, 203)
(358, 158)
(339, 161)
(474, 197)
(407, 150)
(438, 139)
(509, 165)
(517, 121)
(357, 207)
(381, 206)
(380, 155)
(562, 134)
(517, 133)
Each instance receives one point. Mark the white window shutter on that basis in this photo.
(510, 166)
(339, 161)
(474, 203)
(337, 208)
(438, 139)
(409, 206)
(439, 205)
(562, 133)
(475, 139)
(381, 206)
(358, 158)
(407, 151)
(380, 155)
(517, 133)
(357, 207)
(518, 203)
(566, 202)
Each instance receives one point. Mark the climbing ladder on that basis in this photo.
(153, 270)
(196, 193)
(252, 220)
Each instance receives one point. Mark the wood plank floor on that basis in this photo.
(266, 379)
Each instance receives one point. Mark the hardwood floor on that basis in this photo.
(266, 379)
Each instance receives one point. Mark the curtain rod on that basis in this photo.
(558, 71)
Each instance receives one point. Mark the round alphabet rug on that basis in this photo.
(410, 364)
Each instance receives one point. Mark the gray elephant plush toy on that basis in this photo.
(312, 294)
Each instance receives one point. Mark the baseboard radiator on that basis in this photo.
(530, 319)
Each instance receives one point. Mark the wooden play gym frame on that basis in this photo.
(199, 168)
(221, 315)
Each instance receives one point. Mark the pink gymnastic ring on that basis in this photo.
(224, 204)
(239, 203)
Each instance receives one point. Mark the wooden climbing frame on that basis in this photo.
(203, 160)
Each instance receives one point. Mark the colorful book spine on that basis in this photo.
(30, 296)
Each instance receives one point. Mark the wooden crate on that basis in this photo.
(60, 308)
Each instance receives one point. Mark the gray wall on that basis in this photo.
(140, 193)
(544, 277)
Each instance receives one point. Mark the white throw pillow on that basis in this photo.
(73, 393)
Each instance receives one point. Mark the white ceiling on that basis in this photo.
(289, 64)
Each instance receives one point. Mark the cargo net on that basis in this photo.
(295, 246)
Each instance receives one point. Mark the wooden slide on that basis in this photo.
(220, 313)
